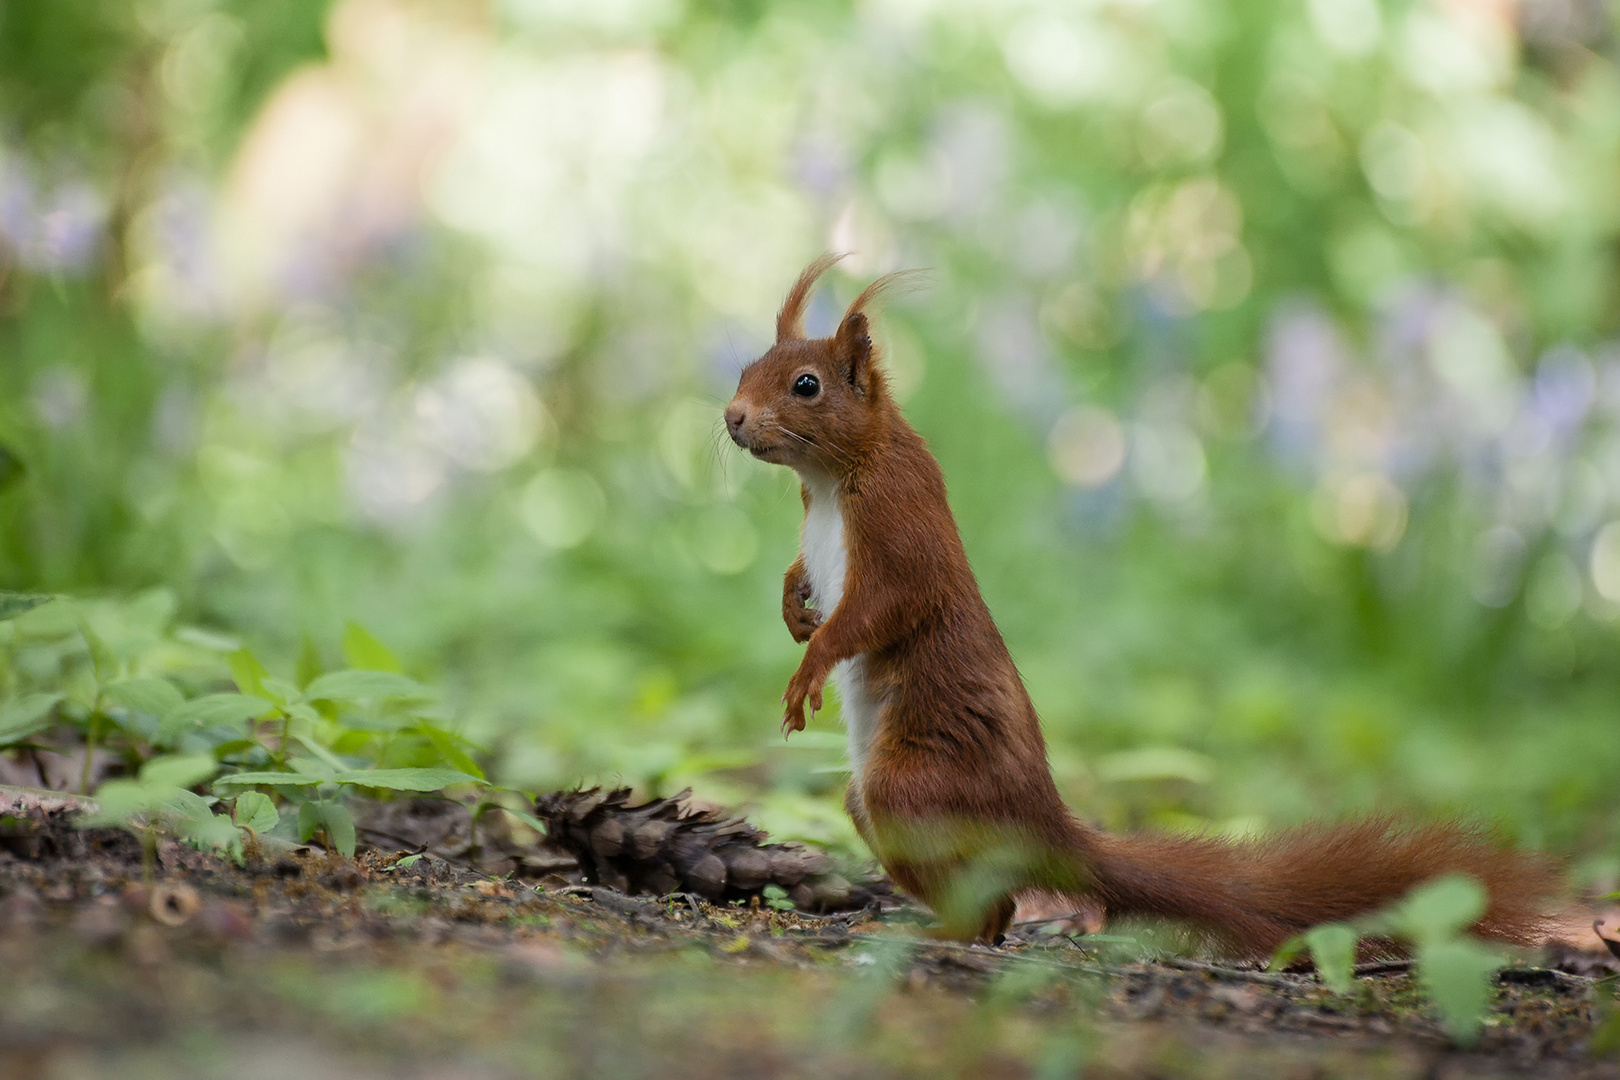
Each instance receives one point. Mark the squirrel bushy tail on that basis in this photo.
(1256, 894)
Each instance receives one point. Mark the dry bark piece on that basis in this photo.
(787, 868)
(648, 837)
(581, 808)
(654, 846)
(747, 867)
(707, 877)
(608, 837)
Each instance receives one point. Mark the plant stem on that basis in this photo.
(89, 752)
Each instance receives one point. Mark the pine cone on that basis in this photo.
(666, 846)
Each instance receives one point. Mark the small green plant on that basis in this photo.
(777, 897)
(1453, 968)
(197, 723)
(256, 813)
(160, 798)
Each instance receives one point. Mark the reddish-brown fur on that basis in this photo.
(956, 781)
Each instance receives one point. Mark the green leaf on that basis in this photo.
(255, 811)
(207, 639)
(21, 718)
(406, 779)
(151, 612)
(102, 657)
(280, 691)
(1286, 953)
(1606, 1039)
(212, 832)
(308, 668)
(117, 801)
(352, 685)
(235, 746)
(405, 862)
(1333, 948)
(1456, 975)
(148, 694)
(1157, 763)
(1439, 910)
(215, 710)
(269, 778)
(324, 760)
(331, 816)
(449, 748)
(11, 467)
(13, 604)
(248, 673)
(309, 819)
(177, 771)
(361, 650)
(524, 816)
(161, 788)
(340, 827)
(188, 806)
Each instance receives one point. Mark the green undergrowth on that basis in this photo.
(198, 738)
(1453, 969)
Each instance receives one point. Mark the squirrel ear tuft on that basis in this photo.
(852, 347)
(790, 320)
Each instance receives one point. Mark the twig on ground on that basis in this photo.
(1530, 975)
(1265, 978)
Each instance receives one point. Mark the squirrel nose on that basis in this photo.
(735, 415)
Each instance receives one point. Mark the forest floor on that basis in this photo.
(302, 963)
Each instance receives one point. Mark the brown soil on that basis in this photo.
(305, 963)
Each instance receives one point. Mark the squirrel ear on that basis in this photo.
(852, 348)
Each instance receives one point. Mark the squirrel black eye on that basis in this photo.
(806, 386)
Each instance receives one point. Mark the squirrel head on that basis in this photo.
(813, 404)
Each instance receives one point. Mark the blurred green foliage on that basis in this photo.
(1454, 969)
(1270, 353)
(132, 688)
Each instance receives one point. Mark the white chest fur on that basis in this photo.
(827, 565)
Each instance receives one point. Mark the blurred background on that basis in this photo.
(1271, 350)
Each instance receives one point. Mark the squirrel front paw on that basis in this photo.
(801, 688)
(801, 619)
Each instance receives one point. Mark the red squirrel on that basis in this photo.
(950, 785)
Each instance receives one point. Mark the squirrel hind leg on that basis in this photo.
(988, 928)
(934, 884)
(993, 930)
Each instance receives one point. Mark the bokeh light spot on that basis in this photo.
(562, 507)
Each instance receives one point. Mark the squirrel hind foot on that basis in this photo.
(1070, 915)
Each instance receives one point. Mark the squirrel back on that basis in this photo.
(951, 788)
